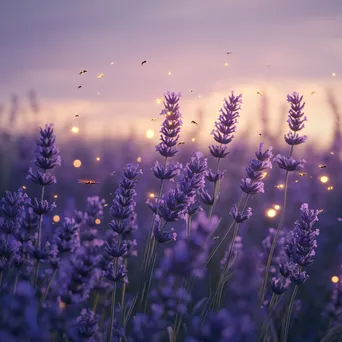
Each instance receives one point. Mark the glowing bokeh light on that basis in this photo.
(97, 221)
(158, 101)
(169, 73)
(55, 196)
(193, 139)
(56, 219)
(77, 163)
(226, 64)
(271, 213)
(98, 158)
(150, 133)
(139, 159)
(330, 188)
(75, 130)
(151, 195)
(335, 279)
(277, 207)
(324, 179)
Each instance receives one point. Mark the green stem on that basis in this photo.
(216, 190)
(96, 301)
(48, 286)
(112, 312)
(289, 313)
(39, 242)
(15, 283)
(274, 242)
(123, 293)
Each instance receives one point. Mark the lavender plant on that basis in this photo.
(295, 121)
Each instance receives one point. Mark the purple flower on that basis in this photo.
(251, 188)
(47, 154)
(161, 236)
(238, 216)
(115, 276)
(87, 324)
(41, 207)
(295, 120)
(67, 236)
(288, 163)
(171, 126)
(280, 285)
(167, 171)
(225, 126)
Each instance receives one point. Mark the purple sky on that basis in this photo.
(44, 44)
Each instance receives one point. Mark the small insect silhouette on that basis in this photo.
(77, 116)
(322, 166)
(181, 143)
(143, 62)
(79, 87)
(301, 174)
(229, 53)
(83, 72)
(216, 238)
(154, 119)
(194, 122)
(88, 181)
(313, 92)
(259, 93)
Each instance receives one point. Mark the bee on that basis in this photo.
(194, 122)
(88, 181)
(301, 174)
(143, 62)
(322, 166)
(181, 143)
(79, 87)
(83, 72)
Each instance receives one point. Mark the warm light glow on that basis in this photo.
(75, 130)
(150, 133)
(296, 181)
(139, 159)
(226, 64)
(280, 186)
(271, 213)
(277, 207)
(98, 158)
(62, 305)
(331, 152)
(56, 219)
(111, 63)
(55, 196)
(97, 221)
(334, 279)
(169, 73)
(330, 188)
(265, 174)
(77, 163)
(151, 195)
(324, 179)
(333, 74)
(24, 187)
(158, 101)
(193, 139)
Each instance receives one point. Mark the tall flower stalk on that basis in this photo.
(300, 253)
(225, 126)
(167, 148)
(46, 158)
(124, 220)
(250, 185)
(296, 121)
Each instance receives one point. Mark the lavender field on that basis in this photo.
(171, 171)
(173, 242)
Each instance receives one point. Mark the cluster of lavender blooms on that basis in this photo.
(71, 284)
(300, 251)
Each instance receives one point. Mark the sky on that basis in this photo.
(277, 47)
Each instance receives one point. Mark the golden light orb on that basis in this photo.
(77, 163)
(158, 101)
(277, 207)
(151, 195)
(56, 219)
(149, 133)
(98, 158)
(139, 159)
(271, 213)
(335, 279)
(193, 139)
(97, 221)
(75, 129)
(55, 196)
(324, 179)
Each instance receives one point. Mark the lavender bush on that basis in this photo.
(197, 261)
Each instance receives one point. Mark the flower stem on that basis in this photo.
(48, 286)
(274, 242)
(16, 282)
(289, 313)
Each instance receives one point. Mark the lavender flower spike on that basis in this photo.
(225, 126)
(295, 120)
(171, 126)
